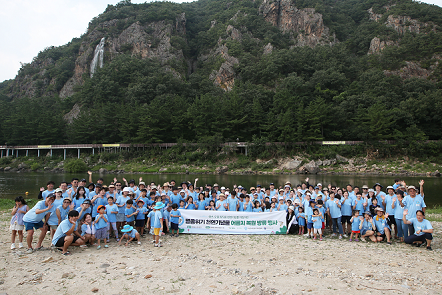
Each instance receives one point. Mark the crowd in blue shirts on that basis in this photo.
(128, 209)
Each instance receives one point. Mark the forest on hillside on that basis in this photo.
(295, 93)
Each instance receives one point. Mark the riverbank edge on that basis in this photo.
(339, 165)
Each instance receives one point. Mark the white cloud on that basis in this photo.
(29, 26)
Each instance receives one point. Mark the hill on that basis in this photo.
(273, 70)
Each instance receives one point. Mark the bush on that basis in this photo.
(35, 166)
(75, 166)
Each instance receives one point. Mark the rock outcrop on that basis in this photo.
(376, 45)
(413, 70)
(306, 25)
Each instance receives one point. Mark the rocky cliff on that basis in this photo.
(306, 26)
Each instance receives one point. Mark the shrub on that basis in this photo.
(75, 166)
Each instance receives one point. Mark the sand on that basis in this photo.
(225, 264)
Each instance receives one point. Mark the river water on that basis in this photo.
(15, 184)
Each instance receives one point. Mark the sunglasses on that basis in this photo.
(66, 202)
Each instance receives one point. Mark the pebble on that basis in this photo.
(94, 290)
(104, 265)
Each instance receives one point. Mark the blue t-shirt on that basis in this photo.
(175, 199)
(380, 224)
(283, 207)
(257, 210)
(398, 210)
(309, 213)
(46, 193)
(191, 207)
(77, 203)
(366, 225)
(129, 211)
(413, 204)
(232, 203)
(388, 202)
(425, 224)
(346, 207)
(151, 215)
(201, 205)
(53, 218)
(335, 211)
(322, 210)
(157, 219)
(221, 205)
(99, 201)
(359, 205)
(175, 219)
(132, 233)
(112, 216)
(141, 211)
(301, 219)
(248, 207)
(32, 217)
(121, 200)
(317, 222)
(62, 229)
(355, 223)
(101, 223)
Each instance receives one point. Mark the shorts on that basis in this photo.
(101, 234)
(139, 223)
(317, 231)
(121, 217)
(60, 242)
(345, 219)
(356, 231)
(309, 225)
(156, 231)
(391, 221)
(32, 225)
(16, 226)
(54, 227)
(174, 226)
(363, 232)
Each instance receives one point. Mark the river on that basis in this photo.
(15, 184)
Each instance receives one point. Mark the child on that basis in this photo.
(367, 227)
(373, 207)
(141, 214)
(130, 212)
(301, 220)
(101, 226)
(322, 210)
(308, 214)
(211, 205)
(273, 207)
(158, 223)
(182, 204)
(355, 222)
(190, 205)
(17, 224)
(112, 211)
(257, 207)
(317, 223)
(129, 233)
(88, 230)
(174, 220)
(398, 208)
(150, 222)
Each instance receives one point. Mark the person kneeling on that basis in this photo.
(423, 231)
(129, 233)
(67, 235)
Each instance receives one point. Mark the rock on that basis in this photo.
(376, 45)
(94, 290)
(292, 164)
(268, 49)
(102, 170)
(65, 275)
(147, 276)
(104, 265)
(49, 259)
(221, 170)
(311, 167)
(7, 168)
(341, 159)
(306, 23)
(435, 173)
(162, 169)
(181, 279)
(328, 162)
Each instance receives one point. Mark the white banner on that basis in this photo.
(231, 222)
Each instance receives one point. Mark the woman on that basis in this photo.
(292, 223)
(423, 231)
(367, 228)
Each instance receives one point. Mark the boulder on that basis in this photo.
(102, 170)
(221, 170)
(292, 164)
(341, 159)
(311, 167)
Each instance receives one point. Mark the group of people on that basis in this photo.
(82, 213)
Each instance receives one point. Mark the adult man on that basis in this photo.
(67, 235)
(33, 220)
(412, 204)
(74, 186)
(50, 189)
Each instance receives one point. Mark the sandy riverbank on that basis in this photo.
(221, 264)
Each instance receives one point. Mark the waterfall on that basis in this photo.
(98, 57)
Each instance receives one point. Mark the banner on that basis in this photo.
(231, 222)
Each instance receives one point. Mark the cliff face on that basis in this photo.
(151, 40)
(306, 24)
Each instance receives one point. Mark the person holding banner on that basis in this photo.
(292, 223)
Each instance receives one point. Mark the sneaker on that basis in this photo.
(106, 246)
(314, 238)
(20, 245)
(424, 243)
(306, 235)
(30, 250)
(108, 241)
(388, 243)
(153, 242)
(345, 236)
(12, 246)
(363, 240)
(356, 240)
(350, 240)
(340, 237)
(320, 239)
(99, 247)
(83, 246)
(429, 248)
(333, 235)
(139, 243)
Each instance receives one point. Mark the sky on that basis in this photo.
(29, 26)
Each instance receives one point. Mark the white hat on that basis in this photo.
(223, 188)
(281, 198)
(126, 189)
(319, 184)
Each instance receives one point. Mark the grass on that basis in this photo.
(434, 213)
(7, 204)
